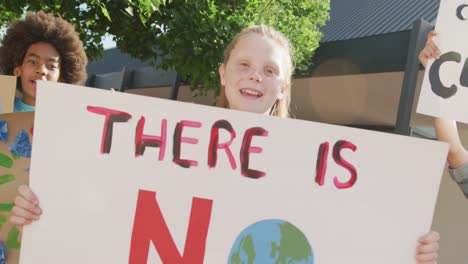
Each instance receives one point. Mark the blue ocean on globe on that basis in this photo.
(271, 241)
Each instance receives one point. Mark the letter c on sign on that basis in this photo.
(460, 11)
(434, 75)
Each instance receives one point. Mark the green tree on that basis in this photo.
(92, 18)
(188, 36)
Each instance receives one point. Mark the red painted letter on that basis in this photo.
(321, 167)
(111, 117)
(178, 140)
(246, 149)
(149, 226)
(142, 140)
(343, 144)
(215, 145)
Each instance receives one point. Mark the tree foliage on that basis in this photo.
(188, 36)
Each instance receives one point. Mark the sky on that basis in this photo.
(108, 43)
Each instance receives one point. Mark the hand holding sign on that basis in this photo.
(428, 248)
(26, 207)
(430, 50)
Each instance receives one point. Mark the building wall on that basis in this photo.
(370, 99)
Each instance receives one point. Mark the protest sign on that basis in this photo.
(130, 179)
(444, 91)
(15, 153)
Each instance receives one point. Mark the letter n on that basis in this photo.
(149, 226)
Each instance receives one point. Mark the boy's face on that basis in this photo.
(255, 75)
(41, 62)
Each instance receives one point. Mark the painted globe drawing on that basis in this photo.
(271, 241)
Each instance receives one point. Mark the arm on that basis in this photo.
(457, 158)
(446, 130)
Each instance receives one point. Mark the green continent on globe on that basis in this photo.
(247, 246)
(294, 245)
(271, 241)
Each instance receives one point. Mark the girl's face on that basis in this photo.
(255, 75)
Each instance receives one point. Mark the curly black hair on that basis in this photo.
(42, 27)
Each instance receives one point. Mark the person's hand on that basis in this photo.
(427, 251)
(430, 51)
(26, 207)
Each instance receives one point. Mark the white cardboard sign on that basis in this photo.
(444, 91)
(129, 179)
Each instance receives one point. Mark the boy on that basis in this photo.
(41, 47)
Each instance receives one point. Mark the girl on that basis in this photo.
(255, 77)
